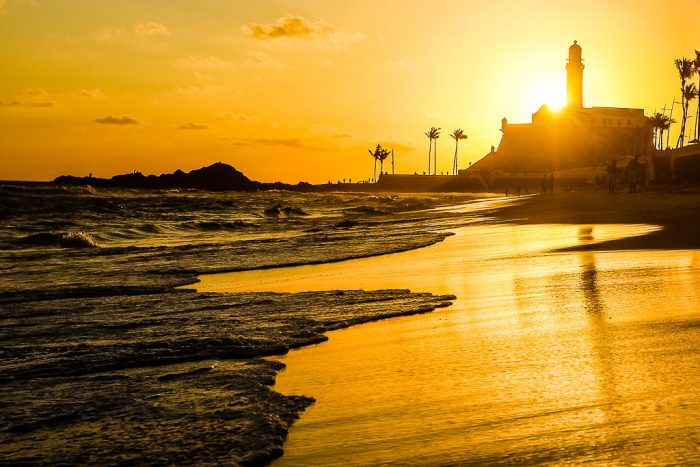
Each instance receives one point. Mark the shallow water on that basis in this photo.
(544, 356)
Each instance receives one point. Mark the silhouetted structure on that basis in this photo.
(574, 77)
(574, 142)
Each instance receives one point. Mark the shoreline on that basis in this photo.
(677, 211)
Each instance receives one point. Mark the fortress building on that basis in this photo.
(575, 140)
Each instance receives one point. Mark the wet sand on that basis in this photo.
(547, 355)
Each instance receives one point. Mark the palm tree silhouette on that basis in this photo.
(690, 92)
(656, 122)
(666, 123)
(375, 155)
(685, 72)
(696, 68)
(431, 134)
(456, 135)
(380, 154)
(383, 154)
(435, 138)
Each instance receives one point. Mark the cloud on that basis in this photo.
(41, 105)
(192, 126)
(262, 59)
(294, 143)
(299, 28)
(35, 92)
(110, 120)
(32, 98)
(91, 93)
(199, 91)
(203, 62)
(141, 31)
(242, 117)
(155, 30)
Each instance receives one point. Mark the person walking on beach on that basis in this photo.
(551, 184)
(612, 177)
(633, 175)
(543, 185)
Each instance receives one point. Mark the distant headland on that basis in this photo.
(215, 177)
(223, 177)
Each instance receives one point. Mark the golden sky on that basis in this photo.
(299, 90)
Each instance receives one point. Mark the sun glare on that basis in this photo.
(545, 91)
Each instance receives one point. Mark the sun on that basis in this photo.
(545, 91)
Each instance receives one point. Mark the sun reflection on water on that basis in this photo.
(545, 356)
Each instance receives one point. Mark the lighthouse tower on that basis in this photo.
(574, 77)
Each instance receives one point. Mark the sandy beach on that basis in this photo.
(545, 355)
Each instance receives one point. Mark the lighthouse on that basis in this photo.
(574, 77)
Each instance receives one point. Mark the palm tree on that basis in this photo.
(666, 123)
(383, 154)
(690, 92)
(696, 68)
(456, 135)
(431, 134)
(435, 138)
(656, 122)
(685, 72)
(375, 155)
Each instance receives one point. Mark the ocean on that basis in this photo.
(106, 359)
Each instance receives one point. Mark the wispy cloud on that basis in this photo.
(200, 91)
(151, 30)
(91, 93)
(242, 117)
(292, 27)
(140, 31)
(295, 143)
(110, 120)
(31, 98)
(43, 105)
(203, 63)
(262, 59)
(192, 126)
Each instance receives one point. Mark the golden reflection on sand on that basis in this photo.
(544, 356)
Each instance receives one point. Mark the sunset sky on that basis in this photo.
(299, 90)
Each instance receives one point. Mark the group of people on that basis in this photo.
(632, 171)
(547, 185)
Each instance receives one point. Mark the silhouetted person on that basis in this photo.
(506, 192)
(633, 174)
(543, 185)
(551, 184)
(519, 189)
(612, 177)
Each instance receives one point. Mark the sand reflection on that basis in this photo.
(544, 356)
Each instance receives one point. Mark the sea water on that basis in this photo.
(546, 356)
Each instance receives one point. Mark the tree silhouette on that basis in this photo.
(383, 154)
(666, 123)
(696, 69)
(656, 122)
(380, 154)
(689, 92)
(456, 135)
(375, 155)
(685, 72)
(431, 134)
